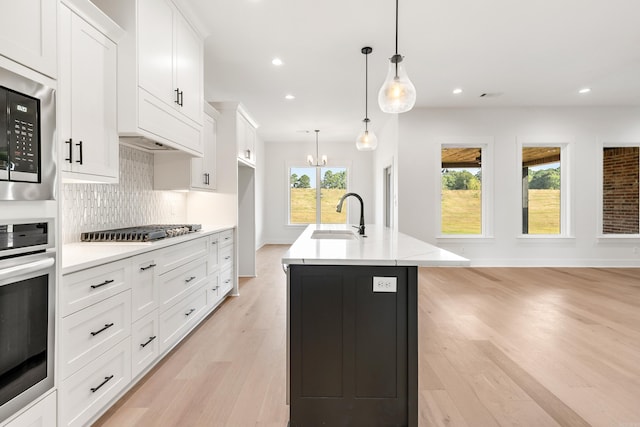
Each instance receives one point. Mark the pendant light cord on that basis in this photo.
(366, 92)
(396, 38)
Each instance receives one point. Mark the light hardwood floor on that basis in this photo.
(498, 347)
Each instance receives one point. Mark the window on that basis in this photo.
(541, 178)
(311, 203)
(545, 187)
(620, 194)
(463, 188)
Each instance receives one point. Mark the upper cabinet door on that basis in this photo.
(28, 33)
(188, 71)
(155, 49)
(87, 103)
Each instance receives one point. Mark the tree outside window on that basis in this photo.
(311, 203)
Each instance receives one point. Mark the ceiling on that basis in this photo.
(520, 53)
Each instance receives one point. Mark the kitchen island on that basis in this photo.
(352, 325)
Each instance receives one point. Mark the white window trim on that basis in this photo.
(600, 195)
(331, 164)
(565, 143)
(486, 144)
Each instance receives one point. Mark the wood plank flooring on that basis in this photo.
(498, 347)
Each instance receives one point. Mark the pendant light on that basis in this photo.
(319, 161)
(367, 140)
(397, 94)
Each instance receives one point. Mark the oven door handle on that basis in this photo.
(30, 267)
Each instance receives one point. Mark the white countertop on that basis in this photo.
(82, 255)
(381, 246)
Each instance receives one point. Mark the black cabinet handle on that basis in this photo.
(147, 267)
(79, 145)
(181, 103)
(189, 279)
(206, 179)
(177, 91)
(227, 238)
(148, 342)
(106, 282)
(70, 158)
(227, 257)
(190, 311)
(215, 242)
(106, 380)
(106, 326)
(227, 281)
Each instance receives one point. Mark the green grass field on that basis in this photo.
(461, 210)
(303, 206)
(462, 213)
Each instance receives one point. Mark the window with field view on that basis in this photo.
(461, 191)
(541, 190)
(314, 194)
(620, 194)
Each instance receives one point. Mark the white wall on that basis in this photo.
(418, 181)
(260, 192)
(279, 155)
(386, 155)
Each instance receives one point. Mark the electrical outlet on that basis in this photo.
(385, 284)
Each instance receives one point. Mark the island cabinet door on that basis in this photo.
(353, 346)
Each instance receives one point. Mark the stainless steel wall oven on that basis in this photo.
(27, 139)
(27, 313)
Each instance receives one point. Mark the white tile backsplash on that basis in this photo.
(131, 202)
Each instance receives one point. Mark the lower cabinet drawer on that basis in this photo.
(213, 291)
(42, 414)
(176, 321)
(175, 284)
(89, 332)
(226, 282)
(225, 257)
(144, 343)
(225, 238)
(85, 393)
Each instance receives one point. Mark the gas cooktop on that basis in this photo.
(143, 233)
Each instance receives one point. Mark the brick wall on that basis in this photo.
(620, 190)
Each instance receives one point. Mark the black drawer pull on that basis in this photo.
(214, 243)
(227, 281)
(227, 257)
(215, 289)
(79, 145)
(190, 311)
(106, 380)
(147, 267)
(148, 342)
(227, 238)
(70, 158)
(106, 326)
(177, 91)
(189, 279)
(106, 282)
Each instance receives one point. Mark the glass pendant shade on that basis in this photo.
(397, 94)
(367, 141)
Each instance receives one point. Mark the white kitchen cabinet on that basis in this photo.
(173, 171)
(87, 101)
(160, 72)
(42, 414)
(144, 343)
(246, 140)
(237, 127)
(144, 289)
(28, 34)
(88, 333)
(84, 394)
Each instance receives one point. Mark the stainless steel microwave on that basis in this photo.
(27, 139)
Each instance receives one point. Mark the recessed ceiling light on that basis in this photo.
(457, 91)
(277, 62)
(289, 96)
(585, 90)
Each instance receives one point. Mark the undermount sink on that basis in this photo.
(334, 234)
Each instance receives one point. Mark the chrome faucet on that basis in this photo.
(339, 209)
